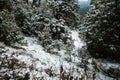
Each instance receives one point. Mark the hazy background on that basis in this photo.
(84, 6)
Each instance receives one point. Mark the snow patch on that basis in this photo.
(77, 41)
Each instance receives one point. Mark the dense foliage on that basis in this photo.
(9, 31)
(103, 29)
(49, 22)
(40, 40)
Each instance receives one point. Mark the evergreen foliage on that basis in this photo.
(103, 29)
(9, 31)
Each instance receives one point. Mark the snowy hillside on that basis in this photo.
(32, 62)
(47, 40)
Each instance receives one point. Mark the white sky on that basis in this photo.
(83, 0)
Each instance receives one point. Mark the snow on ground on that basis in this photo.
(34, 55)
(45, 60)
(77, 41)
(46, 66)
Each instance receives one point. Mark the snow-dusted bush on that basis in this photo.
(41, 22)
(66, 11)
(50, 31)
(9, 31)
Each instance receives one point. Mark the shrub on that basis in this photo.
(9, 31)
